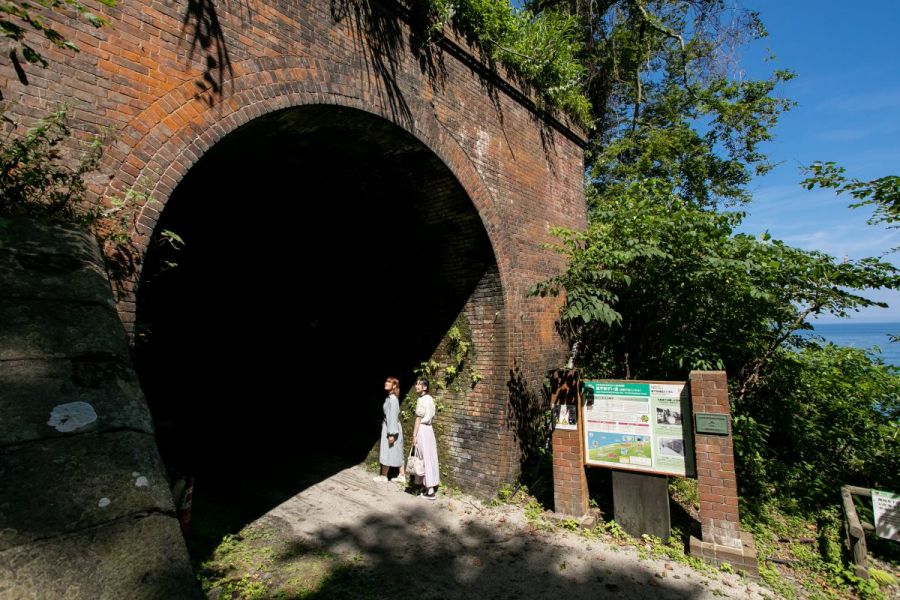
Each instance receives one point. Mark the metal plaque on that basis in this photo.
(711, 423)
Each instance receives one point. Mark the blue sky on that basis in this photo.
(847, 89)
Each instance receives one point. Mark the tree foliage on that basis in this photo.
(661, 283)
(541, 50)
(882, 193)
(825, 417)
(657, 286)
(17, 18)
(35, 177)
(40, 180)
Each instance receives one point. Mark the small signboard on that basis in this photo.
(564, 399)
(887, 514)
(638, 425)
(711, 423)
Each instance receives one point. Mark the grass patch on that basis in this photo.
(258, 563)
(803, 556)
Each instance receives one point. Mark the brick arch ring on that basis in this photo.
(165, 141)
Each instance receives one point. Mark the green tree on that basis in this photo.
(18, 18)
(35, 178)
(882, 193)
(540, 49)
(660, 283)
(657, 286)
(825, 417)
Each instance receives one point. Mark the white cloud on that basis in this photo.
(867, 102)
(852, 134)
(846, 240)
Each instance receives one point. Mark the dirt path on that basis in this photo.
(391, 544)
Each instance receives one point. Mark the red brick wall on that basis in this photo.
(481, 452)
(719, 517)
(570, 489)
(169, 99)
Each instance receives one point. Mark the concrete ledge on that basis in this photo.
(32, 389)
(39, 329)
(28, 236)
(140, 559)
(60, 486)
(740, 559)
(44, 261)
(85, 507)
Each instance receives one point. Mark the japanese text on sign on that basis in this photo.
(639, 426)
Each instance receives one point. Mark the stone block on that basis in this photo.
(65, 267)
(641, 503)
(35, 329)
(33, 389)
(56, 487)
(742, 557)
(139, 559)
(27, 236)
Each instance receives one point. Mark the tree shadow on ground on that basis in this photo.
(420, 555)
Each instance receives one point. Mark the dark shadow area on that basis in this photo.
(324, 250)
(380, 39)
(377, 24)
(684, 523)
(224, 506)
(418, 554)
(530, 420)
(201, 24)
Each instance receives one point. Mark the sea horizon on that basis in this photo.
(865, 335)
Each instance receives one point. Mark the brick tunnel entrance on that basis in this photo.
(325, 248)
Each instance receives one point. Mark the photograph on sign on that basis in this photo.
(668, 416)
(671, 447)
(639, 426)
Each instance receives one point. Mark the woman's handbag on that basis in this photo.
(414, 464)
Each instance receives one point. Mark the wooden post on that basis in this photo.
(856, 537)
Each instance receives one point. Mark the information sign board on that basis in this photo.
(638, 425)
(887, 514)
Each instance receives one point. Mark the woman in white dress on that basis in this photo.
(391, 450)
(423, 437)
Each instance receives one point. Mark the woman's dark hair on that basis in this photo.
(424, 383)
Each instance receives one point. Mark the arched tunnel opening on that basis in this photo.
(324, 249)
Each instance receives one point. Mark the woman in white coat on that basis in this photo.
(423, 437)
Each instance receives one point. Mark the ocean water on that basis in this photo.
(862, 335)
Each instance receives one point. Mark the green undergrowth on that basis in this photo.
(803, 556)
(606, 531)
(258, 563)
(799, 557)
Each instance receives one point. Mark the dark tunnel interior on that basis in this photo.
(324, 249)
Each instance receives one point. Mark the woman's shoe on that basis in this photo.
(380, 479)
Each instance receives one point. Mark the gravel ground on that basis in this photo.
(456, 547)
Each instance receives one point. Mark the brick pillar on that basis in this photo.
(720, 521)
(570, 490)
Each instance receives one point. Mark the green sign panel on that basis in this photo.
(638, 426)
(711, 423)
